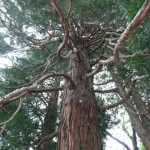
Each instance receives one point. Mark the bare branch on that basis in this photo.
(46, 76)
(137, 113)
(48, 137)
(98, 69)
(69, 10)
(19, 107)
(124, 57)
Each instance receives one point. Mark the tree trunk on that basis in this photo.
(140, 128)
(140, 123)
(79, 124)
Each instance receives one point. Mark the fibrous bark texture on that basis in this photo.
(79, 125)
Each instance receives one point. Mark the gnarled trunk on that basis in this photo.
(79, 124)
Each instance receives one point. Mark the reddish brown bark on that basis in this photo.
(79, 125)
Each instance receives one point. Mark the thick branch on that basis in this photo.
(44, 77)
(25, 90)
(48, 89)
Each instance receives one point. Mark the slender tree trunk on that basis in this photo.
(140, 128)
(79, 124)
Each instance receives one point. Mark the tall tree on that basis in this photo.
(87, 39)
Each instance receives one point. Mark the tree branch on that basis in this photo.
(145, 9)
(48, 89)
(66, 29)
(12, 117)
(48, 137)
(25, 90)
(103, 83)
(125, 98)
(106, 107)
(28, 40)
(106, 91)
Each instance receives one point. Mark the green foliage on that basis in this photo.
(132, 7)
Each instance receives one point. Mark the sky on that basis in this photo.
(4, 62)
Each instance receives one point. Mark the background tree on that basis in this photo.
(86, 41)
